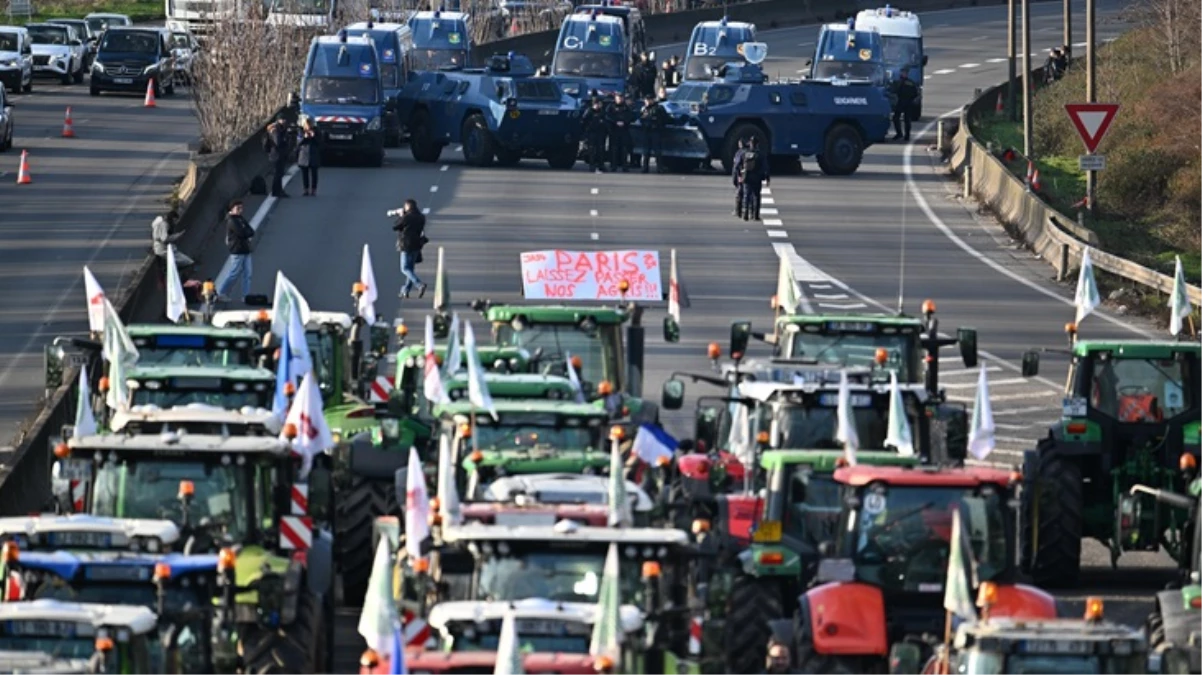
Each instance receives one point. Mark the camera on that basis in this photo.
(394, 213)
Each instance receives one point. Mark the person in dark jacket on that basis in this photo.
(238, 240)
(653, 119)
(410, 227)
(647, 76)
(736, 177)
(903, 94)
(754, 175)
(595, 131)
(308, 156)
(620, 117)
(279, 149)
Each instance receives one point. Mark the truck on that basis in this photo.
(320, 15)
(714, 44)
(442, 41)
(848, 53)
(593, 47)
(394, 43)
(200, 16)
(901, 44)
(343, 93)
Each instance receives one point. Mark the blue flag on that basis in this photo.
(279, 405)
(397, 662)
(651, 443)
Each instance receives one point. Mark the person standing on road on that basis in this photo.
(647, 76)
(308, 156)
(410, 227)
(736, 176)
(620, 117)
(653, 119)
(595, 130)
(279, 149)
(904, 94)
(238, 240)
(755, 175)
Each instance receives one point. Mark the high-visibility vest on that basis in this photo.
(1138, 408)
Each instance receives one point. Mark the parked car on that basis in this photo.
(57, 51)
(183, 47)
(6, 121)
(16, 59)
(129, 58)
(86, 34)
(98, 22)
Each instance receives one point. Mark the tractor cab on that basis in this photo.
(233, 388)
(546, 498)
(99, 638)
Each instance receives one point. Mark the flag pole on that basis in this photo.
(472, 413)
(946, 659)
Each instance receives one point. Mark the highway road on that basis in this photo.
(846, 234)
(91, 202)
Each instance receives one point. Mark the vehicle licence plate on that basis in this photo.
(341, 137)
(80, 539)
(123, 80)
(531, 519)
(75, 469)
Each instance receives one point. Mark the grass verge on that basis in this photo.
(137, 10)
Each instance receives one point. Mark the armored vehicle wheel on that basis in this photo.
(357, 508)
(563, 159)
(506, 157)
(478, 145)
(295, 648)
(421, 144)
(730, 146)
(1052, 515)
(752, 605)
(842, 151)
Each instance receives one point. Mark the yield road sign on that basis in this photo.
(1092, 120)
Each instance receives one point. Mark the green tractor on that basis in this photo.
(241, 498)
(1130, 416)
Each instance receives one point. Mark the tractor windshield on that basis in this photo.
(321, 351)
(208, 391)
(598, 350)
(555, 574)
(58, 646)
(149, 488)
(901, 535)
(196, 351)
(527, 431)
(543, 636)
(995, 663)
(816, 427)
(854, 350)
(1141, 390)
(814, 507)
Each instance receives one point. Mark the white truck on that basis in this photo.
(901, 43)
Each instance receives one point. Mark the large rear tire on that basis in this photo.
(842, 151)
(1053, 515)
(753, 604)
(357, 508)
(293, 649)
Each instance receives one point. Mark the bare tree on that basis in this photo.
(1179, 25)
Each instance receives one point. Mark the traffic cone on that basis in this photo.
(23, 174)
(1030, 171)
(149, 94)
(1035, 186)
(513, 27)
(1000, 105)
(68, 126)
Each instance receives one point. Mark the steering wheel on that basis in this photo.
(1134, 390)
(923, 563)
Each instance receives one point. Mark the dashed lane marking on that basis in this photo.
(773, 222)
(945, 71)
(433, 188)
(778, 234)
(997, 383)
(593, 212)
(769, 212)
(595, 191)
(767, 200)
(445, 167)
(969, 65)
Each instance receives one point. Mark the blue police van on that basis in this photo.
(713, 45)
(343, 94)
(441, 41)
(844, 52)
(593, 47)
(393, 43)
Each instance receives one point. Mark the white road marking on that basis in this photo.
(969, 65)
(778, 234)
(1020, 427)
(945, 71)
(979, 38)
(767, 200)
(426, 211)
(769, 212)
(433, 188)
(1021, 411)
(767, 191)
(1002, 60)
(821, 286)
(1004, 397)
(445, 167)
(992, 383)
(594, 236)
(966, 371)
(831, 296)
(849, 305)
(595, 191)
(773, 222)
(257, 221)
(593, 212)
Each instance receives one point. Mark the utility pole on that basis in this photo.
(1027, 140)
(1068, 29)
(1091, 94)
(1011, 109)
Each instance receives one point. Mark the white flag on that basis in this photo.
(367, 277)
(287, 297)
(451, 363)
(417, 507)
(118, 348)
(477, 385)
(509, 648)
(607, 631)
(85, 417)
(433, 389)
(957, 593)
(846, 433)
(177, 302)
(676, 293)
(786, 287)
(1179, 307)
(900, 435)
(574, 378)
(448, 492)
(981, 431)
(742, 441)
(379, 609)
(619, 504)
(313, 434)
(1087, 289)
(95, 301)
(300, 360)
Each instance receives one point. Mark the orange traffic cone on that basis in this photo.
(68, 127)
(149, 94)
(1035, 186)
(1030, 170)
(23, 174)
(513, 27)
(1000, 105)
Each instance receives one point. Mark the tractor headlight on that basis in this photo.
(374, 124)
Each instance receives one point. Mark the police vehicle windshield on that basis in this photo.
(341, 90)
(849, 70)
(310, 7)
(149, 488)
(438, 59)
(901, 51)
(588, 64)
(133, 42)
(706, 67)
(48, 35)
(8, 42)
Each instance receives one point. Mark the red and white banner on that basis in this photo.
(591, 275)
(300, 499)
(296, 533)
(380, 389)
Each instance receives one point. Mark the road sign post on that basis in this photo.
(1092, 121)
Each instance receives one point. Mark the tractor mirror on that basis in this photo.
(740, 336)
(321, 488)
(442, 326)
(671, 330)
(904, 657)
(1030, 363)
(381, 334)
(967, 339)
(54, 367)
(672, 397)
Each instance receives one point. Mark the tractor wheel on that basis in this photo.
(563, 160)
(1155, 627)
(506, 157)
(357, 508)
(842, 151)
(293, 649)
(424, 148)
(813, 662)
(730, 146)
(479, 148)
(752, 605)
(1054, 519)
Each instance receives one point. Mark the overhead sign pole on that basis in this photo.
(1011, 109)
(1091, 90)
(1028, 85)
(1092, 121)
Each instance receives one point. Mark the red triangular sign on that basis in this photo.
(1092, 120)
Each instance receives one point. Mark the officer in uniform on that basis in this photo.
(595, 130)
(903, 94)
(645, 71)
(620, 117)
(653, 119)
(736, 177)
(755, 175)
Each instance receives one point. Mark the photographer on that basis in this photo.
(410, 227)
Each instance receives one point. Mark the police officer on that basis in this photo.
(595, 131)
(736, 177)
(620, 117)
(755, 175)
(646, 76)
(653, 119)
(904, 93)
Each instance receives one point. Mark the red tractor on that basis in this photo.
(882, 581)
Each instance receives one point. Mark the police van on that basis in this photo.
(713, 45)
(441, 41)
(632, 21)
(393, 43)
(343, 94)
(593, 47)
(901, 43)
(844, 52)
(303, 13)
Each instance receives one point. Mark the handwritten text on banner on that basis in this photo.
(591, 275)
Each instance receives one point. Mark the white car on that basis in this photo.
(16, 59)
(184, 46)
(6, 121)
(57, 51)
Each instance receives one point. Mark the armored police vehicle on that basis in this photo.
(901, 43)
(342, 92)
(593, 47)
(441, 41)
(632, 20)
(834, 122)
(393, 44)
(500, 113)
(312, 14)
(713, 45)
(847, 52)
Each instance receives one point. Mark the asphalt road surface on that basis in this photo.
(847, 233)
(91, 203)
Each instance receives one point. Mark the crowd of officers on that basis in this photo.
(609, 125)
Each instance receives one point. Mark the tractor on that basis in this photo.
(1130, 415)
(79, 637)
(99, 560)
(881, 579)
(547, 498)
(242, 498)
